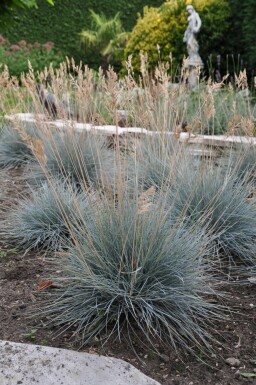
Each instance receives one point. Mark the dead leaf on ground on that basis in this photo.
(44, 284)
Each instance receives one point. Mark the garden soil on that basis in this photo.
(21, 278)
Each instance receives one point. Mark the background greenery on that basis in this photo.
(18, 56)
(228, 27)
(241, 38)
(63, 23)
(8, 5)
(165, 26)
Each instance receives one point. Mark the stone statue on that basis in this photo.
(194, 25)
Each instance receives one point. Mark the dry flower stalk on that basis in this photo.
(209, 108)
(34, 144)
(241, 80)
(152, 102)
(240, 125)
(145, 200)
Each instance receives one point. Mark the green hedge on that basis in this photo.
(62, 23)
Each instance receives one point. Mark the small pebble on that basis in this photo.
(232, 361)
(165, 358)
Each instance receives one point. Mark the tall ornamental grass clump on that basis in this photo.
(42, 221)
(223, 201)
(129, 271)
(217, 109)
(156, 104)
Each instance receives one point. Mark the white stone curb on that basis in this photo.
(211, 140)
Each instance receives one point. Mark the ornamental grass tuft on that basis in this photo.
(244, 163)
(224, 203)
(77, 156)
(42, 221)
(156, 156)
(129, 273)
(13, 150)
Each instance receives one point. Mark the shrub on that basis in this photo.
(42, 221)
(165, 27)
(16, 56)
(130, 271)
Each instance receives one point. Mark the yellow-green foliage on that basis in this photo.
(159, 31)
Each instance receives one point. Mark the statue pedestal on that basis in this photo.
(193, 66)
(193, 77)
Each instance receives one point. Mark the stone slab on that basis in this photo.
(25, 364)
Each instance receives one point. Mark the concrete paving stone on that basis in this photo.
(23, 364)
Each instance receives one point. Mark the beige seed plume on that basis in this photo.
(34, 144)
(241, 80)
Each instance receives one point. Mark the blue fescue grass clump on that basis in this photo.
(13, 150)
(77, 156)
(130, 272)
(244, 163)
(156, 156)
(224, 203)
(42, 221)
